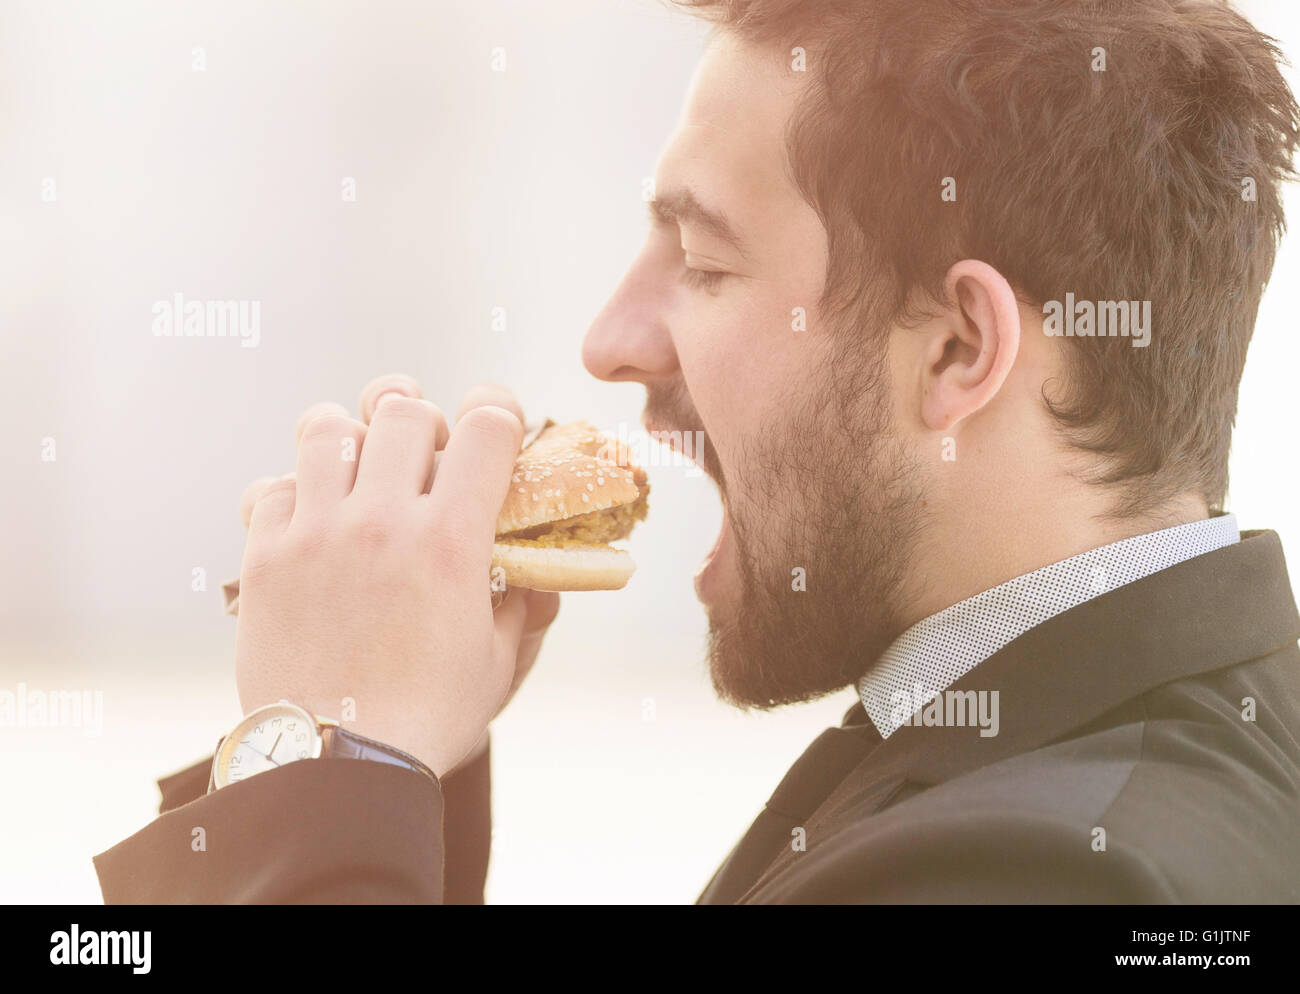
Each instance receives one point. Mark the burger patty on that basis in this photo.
(592, 528)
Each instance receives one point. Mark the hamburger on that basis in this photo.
(573, 492)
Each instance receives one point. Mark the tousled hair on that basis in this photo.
(1131, 182)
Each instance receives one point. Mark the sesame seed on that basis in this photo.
(585, 498)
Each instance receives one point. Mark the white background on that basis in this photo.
(475, 189)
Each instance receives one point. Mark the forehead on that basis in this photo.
(729, 146)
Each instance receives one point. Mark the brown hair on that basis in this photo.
(1122, 184)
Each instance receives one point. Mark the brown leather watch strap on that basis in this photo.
(338, 743)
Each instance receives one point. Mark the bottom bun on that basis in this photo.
(568, 567)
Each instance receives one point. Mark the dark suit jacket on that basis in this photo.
(1161, 719)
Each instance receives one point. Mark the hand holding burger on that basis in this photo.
(367, 579)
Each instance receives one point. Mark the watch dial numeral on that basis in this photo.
(261, 748)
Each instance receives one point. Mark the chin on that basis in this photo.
(772, 643)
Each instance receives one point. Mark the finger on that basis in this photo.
(494, 394)
(473, 479)
(271, 514)
(315, 411)
(250, 495)
(399, 451)
(329, 445)
(542, 607)
(540, 611)
(508, 628)
(398, 382)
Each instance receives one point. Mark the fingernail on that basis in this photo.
(499, 597)
(388, 393)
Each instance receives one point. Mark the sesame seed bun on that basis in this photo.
(564, 473)
(593, 567)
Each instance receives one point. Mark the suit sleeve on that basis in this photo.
(329, 831)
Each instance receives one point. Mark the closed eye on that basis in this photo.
(705, 279)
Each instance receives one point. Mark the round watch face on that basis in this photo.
(271, 736)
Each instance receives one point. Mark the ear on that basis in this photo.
(973, 348)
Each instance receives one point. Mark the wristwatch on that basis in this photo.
(277, 734)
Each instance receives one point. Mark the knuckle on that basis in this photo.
(252, 493)
(260, 561)
(327, 424)
(323, 407)
(392, 381)
(374, 531)
(415, 409)
(488, 392)
(280, 486)
(309, 532)
(254, 489)
(448, 551)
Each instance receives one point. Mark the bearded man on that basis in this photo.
(1078, 680)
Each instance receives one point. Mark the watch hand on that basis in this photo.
(271, 752)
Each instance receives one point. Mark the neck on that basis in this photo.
(965, 551)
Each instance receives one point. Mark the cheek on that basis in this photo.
(744, 367)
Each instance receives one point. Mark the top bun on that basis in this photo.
(568, 470)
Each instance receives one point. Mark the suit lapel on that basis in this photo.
(832, 755)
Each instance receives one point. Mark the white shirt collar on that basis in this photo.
(935, 652)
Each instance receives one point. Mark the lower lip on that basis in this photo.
(707, 576)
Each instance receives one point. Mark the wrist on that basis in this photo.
(276, 735)
(475, 754)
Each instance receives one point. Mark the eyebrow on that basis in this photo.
(683, 207)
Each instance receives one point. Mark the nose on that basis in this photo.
(630, 338)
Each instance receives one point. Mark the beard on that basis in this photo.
(829, 491)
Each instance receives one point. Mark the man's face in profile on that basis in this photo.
(718, 316)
